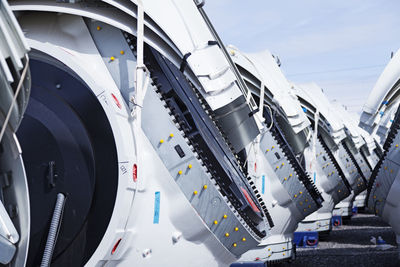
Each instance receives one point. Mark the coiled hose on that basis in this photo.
(53, 231)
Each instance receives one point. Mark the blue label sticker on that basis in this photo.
(304, 109)
(156, 218)
(263, 184)
(315, 176)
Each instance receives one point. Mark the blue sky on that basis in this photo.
(342, 45)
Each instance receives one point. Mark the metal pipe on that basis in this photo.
(53, 231)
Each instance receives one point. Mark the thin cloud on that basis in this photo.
(313, 37)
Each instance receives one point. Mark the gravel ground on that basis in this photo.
(349, 245)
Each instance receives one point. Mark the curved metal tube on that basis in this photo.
(53, 231)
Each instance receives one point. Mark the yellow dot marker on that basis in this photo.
(225, 216)
(267, 150)
(285, 179)
(161, 141)
(195, 192)
(190, 166)
(290, 175)
(397, 145)
(215, 222)
(273, 147)
(236, 229)
(122, 52)
(227, 234)
(234, 245)
(374, 197)
(301, 192)
(205, 186)
(180, 172)
(171, 135)
(269, 249)
(244, 239)
(112, 58)
(98, 28)
(277, 167)
(295, 195)
(306, 199)
(283, 163)
(301, 203)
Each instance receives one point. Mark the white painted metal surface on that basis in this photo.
(377, 118)
(284, 212)
(59, 31)
(176, 29)
(14, 91)
(320, 220)
(195, 246)
(351, 126)
(314, 95)
(382, 90)
(264, 67)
